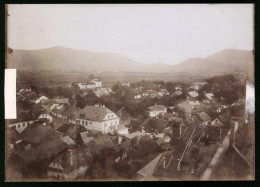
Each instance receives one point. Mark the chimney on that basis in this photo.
(70, 157)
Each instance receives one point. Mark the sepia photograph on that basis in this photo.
(129, 92)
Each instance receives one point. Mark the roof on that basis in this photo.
(35, 132)
(216, 122)
(94, 113)
(150, 167)
(71, 130)
(134, 134)
(157, 108)
(204, 116)
(80, 157)
(68, 140)
(71, 111)
(12, 135)
(85, 137)
(47, 146)
(59, 97)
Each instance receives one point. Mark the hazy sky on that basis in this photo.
(146, 33)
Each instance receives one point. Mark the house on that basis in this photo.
(70, 130)
(150, 93)
(19, 126)
(13, 137)
(28, 95)
(209, 95)
(85, 138)
(25, 90)
(205, 101)
(70, 165)
(125, 84)
(87, 85)
(97, 82)
(193, 93)
(98, 118)
(122, 130)
(124, 116)
(102, 91)
(163, 92)
(66, 112)
(176, 93)
(147, 171)
(37, 141)
(37, 109)
(216, 123)
(178, 87)
(133, 135)
(46, 116)
(61, 100)
(38, 99)
(192, 101)
(157, 110)
(205, 118)
(137, 96)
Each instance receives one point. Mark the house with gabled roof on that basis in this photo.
(98, 118)
(71, 164)
(157, 110)
(61, 99)
(204, 117)
(38, 99)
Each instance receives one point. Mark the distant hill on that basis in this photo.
(61, 58)
(65, 59)
(226, 61)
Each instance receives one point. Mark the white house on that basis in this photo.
(97, 82)
(46, 116)
(137, 96)
(37, 100)
(157, 110)
(88, 85)
(20, 126)
(193, 93)
(98, 118)
(126, 84)
(209, 96)
(26, 90)
(122, 130)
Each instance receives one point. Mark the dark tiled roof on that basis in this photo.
(94, 113)
(35, 132)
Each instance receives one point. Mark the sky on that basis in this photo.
(146, 33)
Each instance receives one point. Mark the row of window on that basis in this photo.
(90, 122)
(110, 115)
(111, 123)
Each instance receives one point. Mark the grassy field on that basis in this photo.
(56, 78)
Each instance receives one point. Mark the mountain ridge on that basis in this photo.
(67, 59)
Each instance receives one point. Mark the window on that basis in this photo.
(90, 122)
(86, 122)
(108, 116)
(18, 125)
(111, 115)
